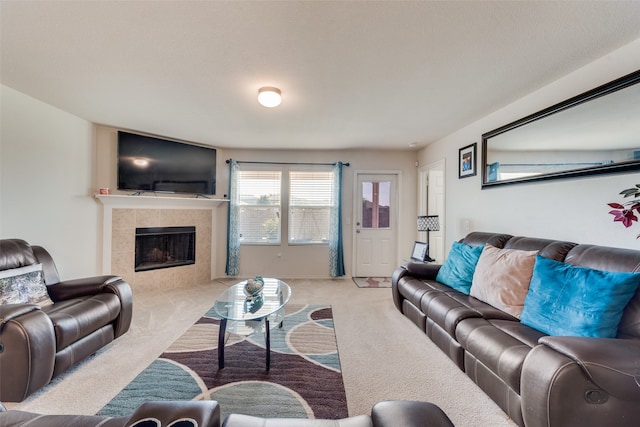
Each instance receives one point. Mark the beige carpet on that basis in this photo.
(382, 354)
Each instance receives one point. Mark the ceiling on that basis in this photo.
(353, 74)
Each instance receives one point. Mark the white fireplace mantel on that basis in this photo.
(157, 202)
(120, 201)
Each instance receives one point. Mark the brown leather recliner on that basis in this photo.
(38, 343)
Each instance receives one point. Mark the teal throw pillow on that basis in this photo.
(577, 301)
(457, 270)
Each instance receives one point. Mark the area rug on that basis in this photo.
(304, 380)
(372, 282)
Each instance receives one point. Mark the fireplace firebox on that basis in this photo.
(164, 247)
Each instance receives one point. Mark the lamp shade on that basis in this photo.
(428, 223)
(269, 96)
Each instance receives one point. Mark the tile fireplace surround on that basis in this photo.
(123, 214)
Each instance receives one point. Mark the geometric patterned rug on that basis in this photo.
(304, 379)
(372, 282)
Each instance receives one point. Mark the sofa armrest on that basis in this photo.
(27, 350)
(69, 289)
(421, 270)
(123, 291)
(613, 364)
(89, 286)
(415, 270)
(205, 413)
(12, 311)
(407, 413)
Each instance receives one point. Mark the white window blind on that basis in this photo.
(310, 194)
(259, 200)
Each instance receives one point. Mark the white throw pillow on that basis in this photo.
(502, 278)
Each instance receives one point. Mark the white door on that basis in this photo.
(435, 206)
(432, 202)
(376, 225)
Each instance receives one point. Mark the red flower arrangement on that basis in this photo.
(624, 212)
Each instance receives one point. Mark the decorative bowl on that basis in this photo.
(253, 287)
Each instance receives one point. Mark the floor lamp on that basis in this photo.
(428, 223)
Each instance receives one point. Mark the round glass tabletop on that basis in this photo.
(233, 303)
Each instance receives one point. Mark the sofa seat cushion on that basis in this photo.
(484, 310)
(413, 289)
(76, 318)
(500, 345)
(445, 311)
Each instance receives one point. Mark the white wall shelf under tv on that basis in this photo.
(166, 202)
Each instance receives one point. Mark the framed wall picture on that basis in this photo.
(467, 161)
(419, 252)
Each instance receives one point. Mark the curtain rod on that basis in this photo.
(287, 163)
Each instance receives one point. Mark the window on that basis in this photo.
(375, 204)
(310, 194)
(313, 213)
(259, 206)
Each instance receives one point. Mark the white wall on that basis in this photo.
(46, 175)
(571, 209)
(312, 261)
(284, 260)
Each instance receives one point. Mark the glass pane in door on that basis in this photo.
(376, 197)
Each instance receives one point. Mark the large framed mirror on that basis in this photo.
(595, 132)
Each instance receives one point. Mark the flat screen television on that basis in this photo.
(159, 165)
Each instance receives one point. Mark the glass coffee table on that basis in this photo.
(241, 314)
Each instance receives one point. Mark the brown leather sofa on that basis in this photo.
(38, 343)
(150, 414)
(207, 414)
(538, 380)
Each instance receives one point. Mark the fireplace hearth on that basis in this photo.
(164, 247)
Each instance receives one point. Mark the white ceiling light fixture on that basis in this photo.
(269, 96)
